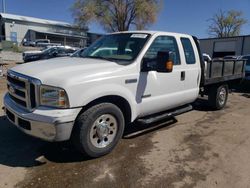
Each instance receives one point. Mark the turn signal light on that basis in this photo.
(169, 66)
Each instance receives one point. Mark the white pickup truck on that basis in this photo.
(123, 77)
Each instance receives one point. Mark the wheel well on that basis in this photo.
(116, 100)
(212, 86)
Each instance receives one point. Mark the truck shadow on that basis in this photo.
(16, 148)
(63, 152)
(136, 129)
(20, 150)
(201, 104)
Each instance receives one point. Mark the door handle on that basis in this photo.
(183, 75)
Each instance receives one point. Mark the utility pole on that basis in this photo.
(3, 4)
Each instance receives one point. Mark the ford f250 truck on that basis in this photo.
(121, 78)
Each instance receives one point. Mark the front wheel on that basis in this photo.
(98, 129)
(217, 96)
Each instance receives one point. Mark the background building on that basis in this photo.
(18, 29)
(220, 47)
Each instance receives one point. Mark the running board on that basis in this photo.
(155, 118)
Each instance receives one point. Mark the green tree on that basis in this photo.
(116, 15)
(226, 24)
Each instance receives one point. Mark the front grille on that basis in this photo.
(15, 81)
(18, 101)
(22, 90)
(32, 95)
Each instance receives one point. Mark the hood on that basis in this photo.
(60, 71)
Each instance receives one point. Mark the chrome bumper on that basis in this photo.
(44, 123)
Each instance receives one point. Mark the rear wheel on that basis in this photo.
(217, 96)
(98, 129)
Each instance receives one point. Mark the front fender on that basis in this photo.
(84, 97)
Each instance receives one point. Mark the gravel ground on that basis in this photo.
(10, 57)
(201, 148)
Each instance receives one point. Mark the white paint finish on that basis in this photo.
(88, 79)
(167, 90)
(85, 79)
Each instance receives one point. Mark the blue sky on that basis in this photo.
(185, 16)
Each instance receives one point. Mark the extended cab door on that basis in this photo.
(163, 91)
(191, 61)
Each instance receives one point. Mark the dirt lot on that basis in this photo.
(202, 148)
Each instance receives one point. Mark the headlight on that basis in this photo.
(53, 97)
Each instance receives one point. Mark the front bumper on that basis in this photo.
(44, 123)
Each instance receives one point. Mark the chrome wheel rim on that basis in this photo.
(222, 96)
(103, 131)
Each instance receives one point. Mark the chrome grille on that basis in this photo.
(22, 90)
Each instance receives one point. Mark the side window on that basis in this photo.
(188, 51)
(163, 43)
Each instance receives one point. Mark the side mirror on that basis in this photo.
(164, 62)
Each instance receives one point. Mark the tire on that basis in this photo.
(98, 130)
(217, 97)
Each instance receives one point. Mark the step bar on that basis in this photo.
(155, 118)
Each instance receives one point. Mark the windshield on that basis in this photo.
(117, 47)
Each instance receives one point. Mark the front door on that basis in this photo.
(163, 91)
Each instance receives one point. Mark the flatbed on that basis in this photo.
(218, 71)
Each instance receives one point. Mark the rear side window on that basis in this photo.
(188, 51)
(163, 43)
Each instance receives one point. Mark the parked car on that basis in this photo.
(247, 68)
(29, 43)
(42, 41)
(147, 78)
(51, 52)
(48, 44)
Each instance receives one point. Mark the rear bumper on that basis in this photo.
(44, 123)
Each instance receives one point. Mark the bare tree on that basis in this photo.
(226, 24)
(116, 15)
